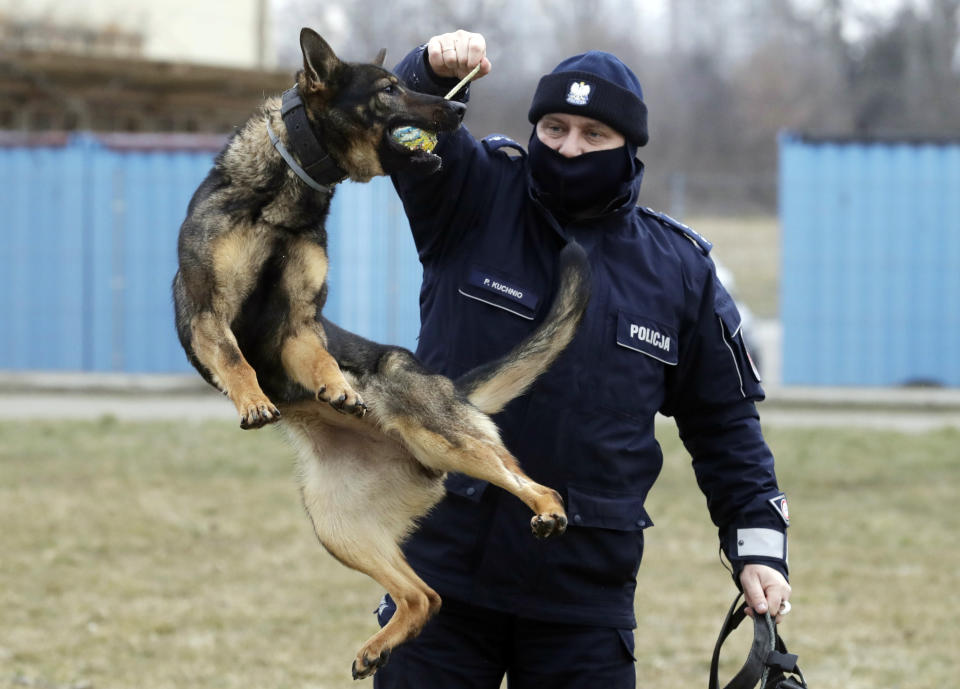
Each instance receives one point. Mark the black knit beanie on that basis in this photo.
(597, 85)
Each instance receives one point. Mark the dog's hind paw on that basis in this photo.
(364, 667)
(547, 525)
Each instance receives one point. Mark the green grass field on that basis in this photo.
(162, 555)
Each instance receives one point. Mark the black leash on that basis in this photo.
(316, 168)
(768, 660)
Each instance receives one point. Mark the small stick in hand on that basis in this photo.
(463, 82)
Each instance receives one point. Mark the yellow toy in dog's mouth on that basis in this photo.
(414, 138)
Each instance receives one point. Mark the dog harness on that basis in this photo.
(768, 659)
(317, 169)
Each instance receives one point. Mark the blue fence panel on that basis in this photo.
(137, 201)
(41, 257)
(100, 345)
(14, 246)
(870, 273)
(88, 253)
(374, 279)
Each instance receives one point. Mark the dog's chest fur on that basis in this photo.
(278, 224)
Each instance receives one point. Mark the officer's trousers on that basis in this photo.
(468, 647)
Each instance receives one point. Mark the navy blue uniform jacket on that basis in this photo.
(660, 335)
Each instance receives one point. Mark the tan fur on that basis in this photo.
(307, 361)
(303, 353)
(304, 277)
(366, 481)
(493, 398)
(238, 255)
(362, 156)
(344, 463)
(233, 254)
(216, 346)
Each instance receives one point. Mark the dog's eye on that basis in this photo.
(390, 89)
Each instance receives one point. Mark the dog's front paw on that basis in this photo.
(256, 412)
(547, 525)
(366, 663)
(343, 398)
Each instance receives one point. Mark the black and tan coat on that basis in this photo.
(375, 432)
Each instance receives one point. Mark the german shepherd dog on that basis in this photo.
(374, 431)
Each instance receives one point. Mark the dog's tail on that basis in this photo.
(491, 386)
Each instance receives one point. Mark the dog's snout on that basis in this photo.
(459, 109)
(450, 114)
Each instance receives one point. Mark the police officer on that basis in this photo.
(660, 335)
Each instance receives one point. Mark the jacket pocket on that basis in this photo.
(638, 344)
(606, 510)
(448, 536)
(599, 555)
(465, 486)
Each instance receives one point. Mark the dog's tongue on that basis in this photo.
(414, 138)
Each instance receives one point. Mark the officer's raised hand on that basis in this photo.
(455, 54)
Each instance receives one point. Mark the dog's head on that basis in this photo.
(354, 108)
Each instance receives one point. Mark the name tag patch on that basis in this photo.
(648, 337)
(503, 287)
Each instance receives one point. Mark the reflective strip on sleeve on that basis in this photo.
(761, 543)
(736, 366)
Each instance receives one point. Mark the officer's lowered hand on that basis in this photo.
(764, 588)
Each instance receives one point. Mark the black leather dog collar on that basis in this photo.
(316, 167)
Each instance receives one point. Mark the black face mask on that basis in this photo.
(585, 183)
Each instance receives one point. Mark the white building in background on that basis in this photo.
(227, 33)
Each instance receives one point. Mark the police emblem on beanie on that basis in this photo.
(579, 93)
(598, 85)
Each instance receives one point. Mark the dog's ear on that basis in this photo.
(319, 60)
(378, 60)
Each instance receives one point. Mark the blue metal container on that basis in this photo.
(88, 242)
(870, 279)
